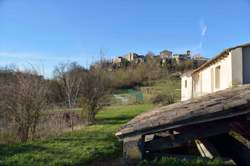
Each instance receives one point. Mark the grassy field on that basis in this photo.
(95, 142)
(164, 86)
(154, 88)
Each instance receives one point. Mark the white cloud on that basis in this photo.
(204, 31)
(203, 28)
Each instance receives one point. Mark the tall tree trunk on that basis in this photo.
(72, 121)
(23, 133)
(91, 117)
(34, 126)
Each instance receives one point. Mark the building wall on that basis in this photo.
(130, 56)
(232, 69)
(186, 87)
(117, 60)
(246, 65)
(237, 66)
(204, 81)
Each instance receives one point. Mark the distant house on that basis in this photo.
(182, 57)
(229, 68)
(139, 59)
(199, 60)
(133, 57)
(165, 54)
(118, 61)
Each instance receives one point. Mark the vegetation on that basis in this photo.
(93, 93)
(164, 99)
(23, 97)
(70, 78)
(88, 146)
(163, 91)
(34, 106)
(96, 142)
(169, 161)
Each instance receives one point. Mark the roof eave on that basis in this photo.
(219, 56)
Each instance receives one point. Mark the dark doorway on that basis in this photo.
(246, 65)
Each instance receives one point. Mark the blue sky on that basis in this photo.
(47, 32)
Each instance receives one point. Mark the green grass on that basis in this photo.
(95, 142)
(163, 86)
(153, 88)
(169, 161)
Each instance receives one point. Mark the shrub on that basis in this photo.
(164, 99)
(23, 97)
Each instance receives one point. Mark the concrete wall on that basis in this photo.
(186, 91)
(237, 66)
(204, 81)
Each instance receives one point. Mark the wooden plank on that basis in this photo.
(161, 143)
(240, 138)
(203, 150)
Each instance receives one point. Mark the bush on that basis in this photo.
(164, 99)
(51, 123)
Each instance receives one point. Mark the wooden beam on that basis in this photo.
(240, 138)
(162, 143)
(203, 150)
(242, 127)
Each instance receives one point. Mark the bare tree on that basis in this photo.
(24, 100)
(93, 91)
(70, 76)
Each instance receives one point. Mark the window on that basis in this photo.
(185, 83)
(217, 77)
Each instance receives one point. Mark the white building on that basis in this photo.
(165, 54)
(186, 86)
(117, 60)
(131, 56)
(229, 68)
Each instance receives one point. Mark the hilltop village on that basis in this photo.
(163, 57)
(173, 62)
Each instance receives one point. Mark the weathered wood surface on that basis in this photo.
(188, 134)
(219, 105)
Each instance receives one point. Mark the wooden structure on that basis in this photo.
(195, 120)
